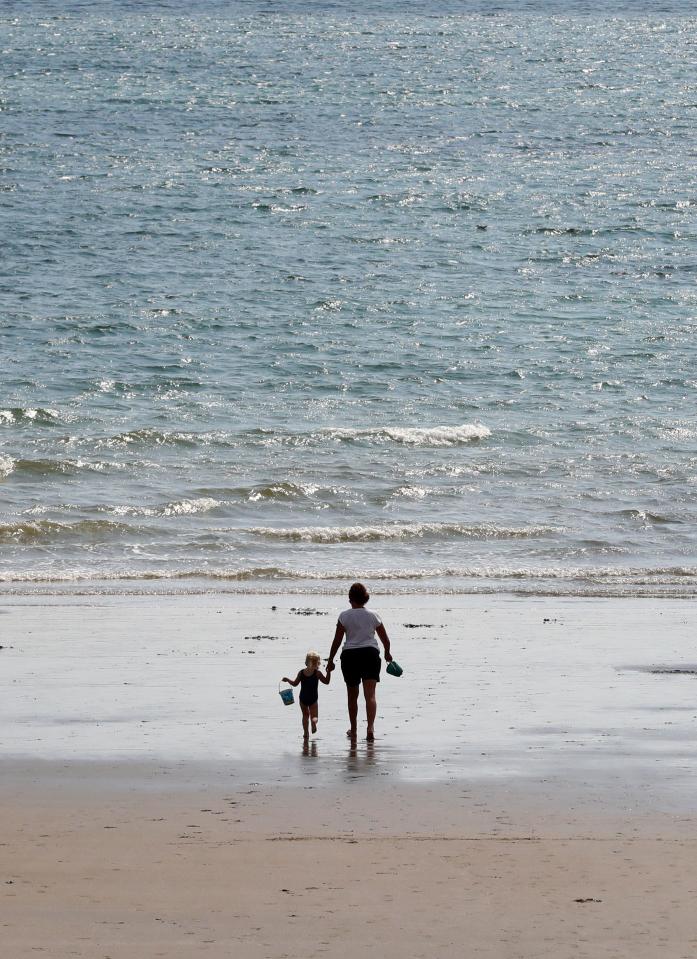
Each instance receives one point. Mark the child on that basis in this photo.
(309, 678)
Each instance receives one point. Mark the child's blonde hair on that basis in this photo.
(313, 658)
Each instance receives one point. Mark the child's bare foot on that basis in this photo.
(370, 736)
(314, 725)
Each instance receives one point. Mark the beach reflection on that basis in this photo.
(310, 748)
(362, 759)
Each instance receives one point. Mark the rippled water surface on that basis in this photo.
(309, 292)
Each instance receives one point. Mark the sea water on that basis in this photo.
(293, 293)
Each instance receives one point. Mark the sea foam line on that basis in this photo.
(397, 531)
(629, 576)
(413, 435)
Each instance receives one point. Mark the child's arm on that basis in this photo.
(324, 679)
(292, 682)
(382, 633)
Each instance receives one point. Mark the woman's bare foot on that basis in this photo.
(351, 733)
(370, 736)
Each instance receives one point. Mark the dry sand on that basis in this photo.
(530, 793)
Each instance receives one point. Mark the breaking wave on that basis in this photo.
(49, 467)
(414, 436)
(19, 415)
(670, 582)
(398, 531)
(433, 436)
(44, 529)
(187, 507)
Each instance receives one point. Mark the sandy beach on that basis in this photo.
(530, 792)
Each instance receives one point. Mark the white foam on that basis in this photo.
(180, 508)
(284, 491)
(190, 506)
(411, 492)
(397, 531)
(414, 435)
(680, 581)
(13, 416)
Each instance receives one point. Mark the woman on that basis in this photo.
(360, 659)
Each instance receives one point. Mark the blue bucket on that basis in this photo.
(287, 696)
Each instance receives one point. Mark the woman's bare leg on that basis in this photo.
(352, 696)
(371, 705)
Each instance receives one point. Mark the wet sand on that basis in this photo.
(530, 792)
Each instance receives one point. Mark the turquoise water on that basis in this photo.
(296, 293)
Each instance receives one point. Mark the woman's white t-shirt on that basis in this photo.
(360, 627)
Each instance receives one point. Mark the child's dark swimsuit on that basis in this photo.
(308, 689)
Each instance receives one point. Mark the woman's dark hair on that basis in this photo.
(358, 594)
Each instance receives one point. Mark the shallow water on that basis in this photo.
(550, 691)
(293, 294)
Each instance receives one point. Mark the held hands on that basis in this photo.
(330, 666)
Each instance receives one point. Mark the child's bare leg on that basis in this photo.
(352, 695)
(306, 720)
(371, 705)
(313, 717)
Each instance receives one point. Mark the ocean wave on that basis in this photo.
(154, 437)
(564, 581)
(646, 517)
(185, 507)
(397, 531)
(7, 466)
(35, 531)
(48, 467)
(285, 491)
(410, 492)
(413, 435)
(19, 415)
(435, 436)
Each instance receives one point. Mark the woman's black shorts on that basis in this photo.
(361, 663)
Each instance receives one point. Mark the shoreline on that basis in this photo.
(181, 585)
(495, 689)
(530, 792)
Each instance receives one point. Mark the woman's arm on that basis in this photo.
(292, 682)
(338, 636)
(382, 633)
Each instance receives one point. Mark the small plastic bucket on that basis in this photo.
(394, 669)
(286, 695)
